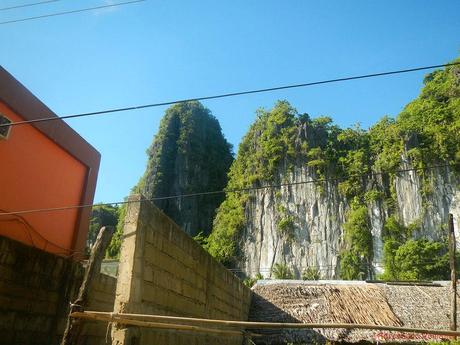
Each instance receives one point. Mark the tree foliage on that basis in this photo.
(282, 271)
(356, 259)
(406, 258)
(113, 250)
(250, 281)
(311, 273)
(422, 259)
(101, 215)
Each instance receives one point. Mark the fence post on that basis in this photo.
(453, 274)
(73, 327)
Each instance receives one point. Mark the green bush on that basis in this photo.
(101, 215)
(285, 225)
(422, 259)
(113, 250)
(406, 258)
(373, 195)
(451, 342)
(394, 235)
(201, 239)
(311, 273)
(104, 215)
(355, 261)
(282, 271)
(250, 281)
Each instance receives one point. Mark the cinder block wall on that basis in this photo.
(164, 271)
(35, 291)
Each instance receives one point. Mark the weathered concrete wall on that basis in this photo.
(164, 271)
(101, 298)
(35, 291)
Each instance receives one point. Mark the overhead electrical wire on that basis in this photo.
(70, 12)
(30, 229)
(27, 5)
(328, 267)
(225, 95)
(232, 94)
(237, 190)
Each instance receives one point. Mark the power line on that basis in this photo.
(30, 229)
(232, 94)
(265, 269)
(236, 190)
(70, 12)
(27, 5)
(328, 267)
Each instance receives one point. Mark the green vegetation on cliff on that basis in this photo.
(268, 146)
(189, 154)
(357, 256)
(406, 258)
(104, 215)
(426, 132)
(101, 215)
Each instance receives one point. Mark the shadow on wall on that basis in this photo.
(36, 288)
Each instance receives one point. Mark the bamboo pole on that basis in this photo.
(74, 326)
(109, 318)
(263, 325)
(453, 275)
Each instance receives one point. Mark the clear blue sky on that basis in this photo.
(165, 50)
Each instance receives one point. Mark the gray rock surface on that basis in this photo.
(319, 217)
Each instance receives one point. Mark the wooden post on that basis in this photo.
(73, 327)
(453, 274)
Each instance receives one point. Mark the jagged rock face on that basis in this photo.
(188, 155)
(383, 199)
(319, 217)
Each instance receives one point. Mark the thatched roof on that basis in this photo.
(349, 302)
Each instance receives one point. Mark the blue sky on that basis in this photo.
(164, 50)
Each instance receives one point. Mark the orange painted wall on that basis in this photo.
(37, 173)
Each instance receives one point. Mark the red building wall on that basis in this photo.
(43, 165)
(37, 173)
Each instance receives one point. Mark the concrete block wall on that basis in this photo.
(35, 291)
(164, 271)
(101, 298)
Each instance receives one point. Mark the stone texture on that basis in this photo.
(172, 275)
(319, 217)
(35, 291)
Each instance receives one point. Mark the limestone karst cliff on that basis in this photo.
(318, 217)
(355, 203)
(189, 154)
